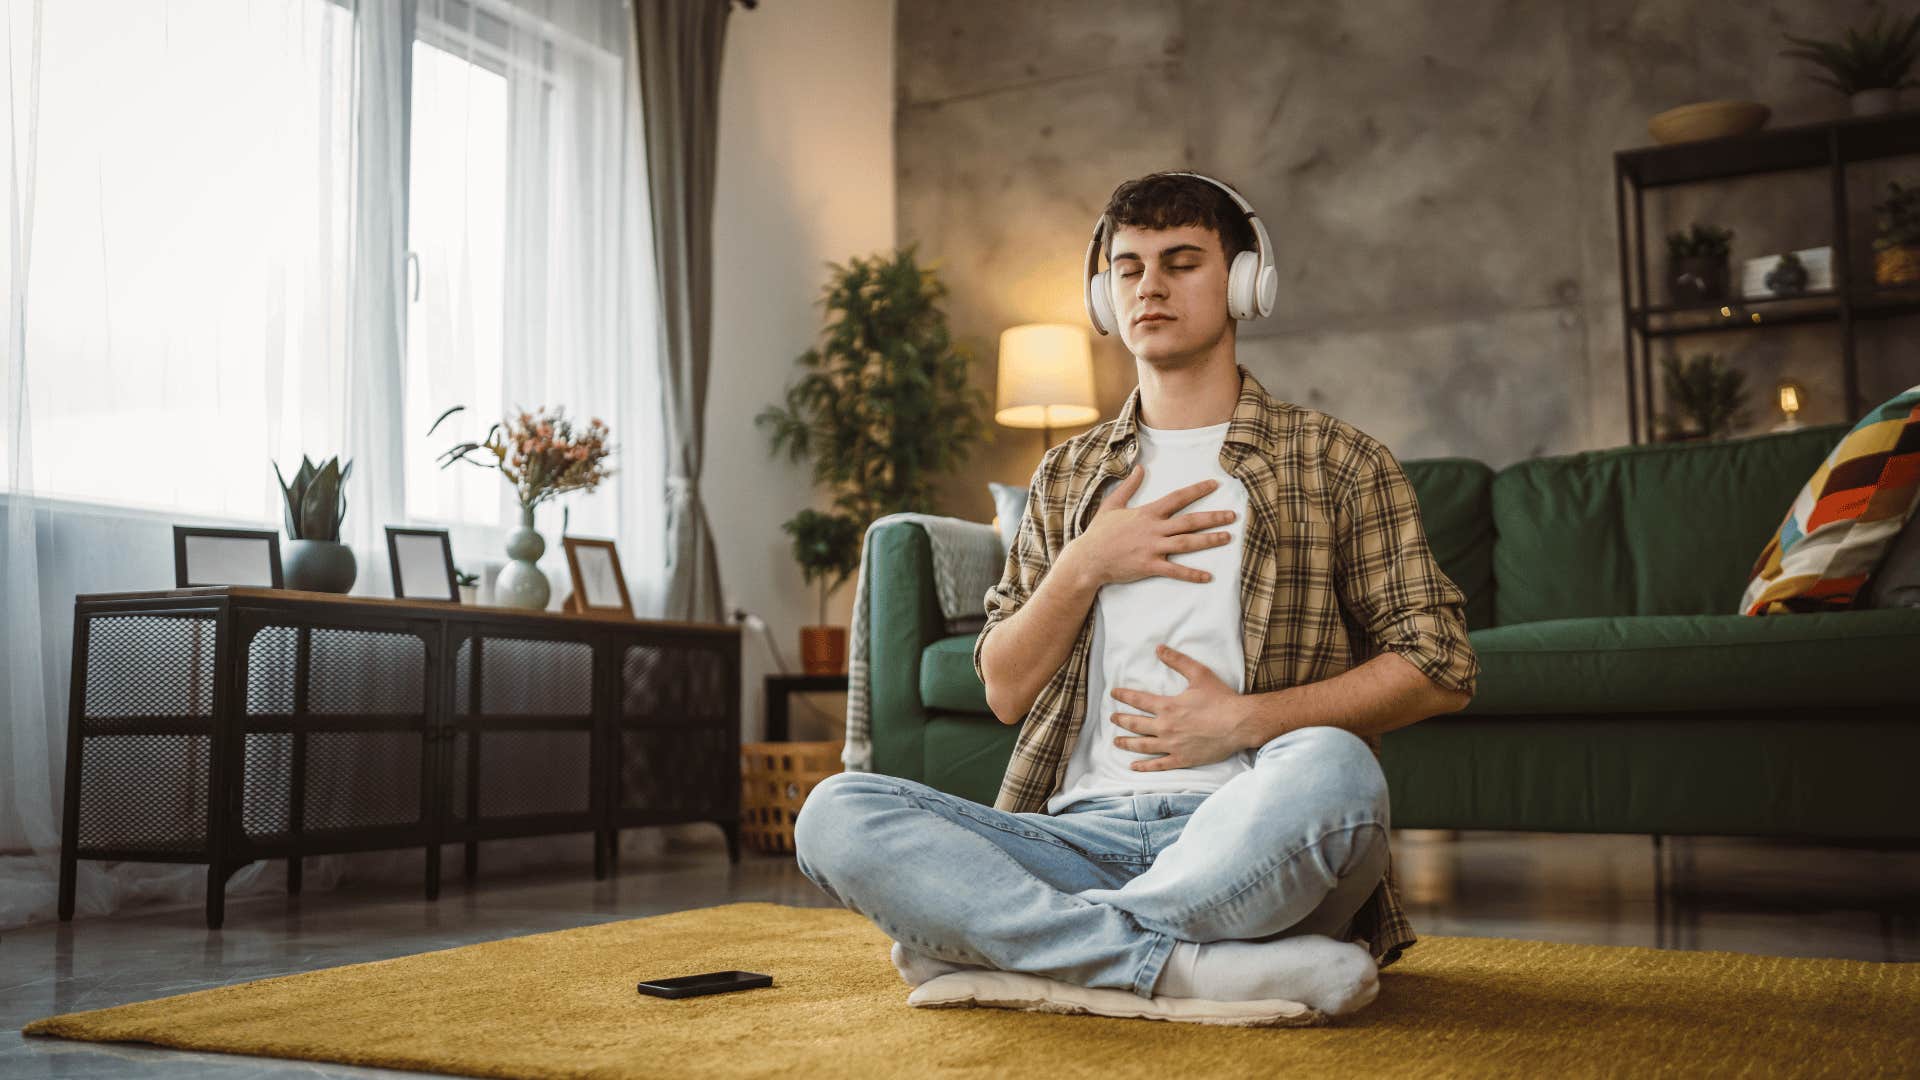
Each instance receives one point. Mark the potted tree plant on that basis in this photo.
(1896, 250)
(1871, 68)
(316, 502)
(827, 547)
(1697, 264)
(884, 406)
(1708, 398)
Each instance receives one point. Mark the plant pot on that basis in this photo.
(521, 584)
(1897, 265)
(1697, 279)
(469, 594)
(823, 650)
(318, 566)
(1874, 102)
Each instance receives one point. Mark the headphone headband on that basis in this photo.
(1250, 291)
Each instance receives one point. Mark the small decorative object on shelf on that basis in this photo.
(1815, 263)
(1697, 264)
(316, 502)
(1870, 69)
(1788, 276)
(1896, 250)
(1708, 120)
(599, 585)
(469, 586)
(1707, 397)
(1790, 394)
(543, 457)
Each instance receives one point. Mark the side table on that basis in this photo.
(779, 686)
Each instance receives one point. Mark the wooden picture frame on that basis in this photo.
(396, 538)
(590, 563)
(185, 574)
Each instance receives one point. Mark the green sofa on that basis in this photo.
(1619, 692)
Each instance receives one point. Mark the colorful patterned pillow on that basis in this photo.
(1845, 518)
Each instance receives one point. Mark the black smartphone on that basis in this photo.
(713, 982)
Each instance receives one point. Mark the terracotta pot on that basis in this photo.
(823, 650)
(1897, 265)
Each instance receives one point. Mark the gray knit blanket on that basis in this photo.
(968, 559)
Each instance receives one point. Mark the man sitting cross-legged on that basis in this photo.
(1216, 603)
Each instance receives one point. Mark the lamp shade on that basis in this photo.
(1046, 377)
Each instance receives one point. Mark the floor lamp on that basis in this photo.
(1046, 379)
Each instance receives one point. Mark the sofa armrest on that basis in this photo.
(903, 617)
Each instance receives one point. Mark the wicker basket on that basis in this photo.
(775, 780)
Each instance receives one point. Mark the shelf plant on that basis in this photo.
(1697, 261)
(1870, 68)
(1706, 396)
(316, 503)
(1896, 248)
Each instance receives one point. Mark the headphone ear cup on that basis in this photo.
(1242, 283)
(1102, 301)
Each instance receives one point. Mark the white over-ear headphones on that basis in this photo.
(1252, 281)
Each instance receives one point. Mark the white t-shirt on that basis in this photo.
(1200, 619)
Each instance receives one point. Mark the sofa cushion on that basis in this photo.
(1660, 663)
(947, 679)
(1456, 511)
(1668, 529)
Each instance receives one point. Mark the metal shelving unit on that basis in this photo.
(1832, 146)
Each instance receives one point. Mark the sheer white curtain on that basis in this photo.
(208, 233)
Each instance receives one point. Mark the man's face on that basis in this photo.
(1169, 291)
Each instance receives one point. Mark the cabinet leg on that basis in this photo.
(605, 849)
(433, 871)
(471, 868)
(69, 871)
(732, 829)
(216, 895)
(294, 864)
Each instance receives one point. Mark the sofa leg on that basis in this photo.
(1659, 893)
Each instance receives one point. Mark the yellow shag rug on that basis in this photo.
(563, 1004)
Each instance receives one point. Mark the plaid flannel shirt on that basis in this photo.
(1335, 570)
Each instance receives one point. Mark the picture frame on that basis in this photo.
(421, 561)
(204, 556)
(599, 585)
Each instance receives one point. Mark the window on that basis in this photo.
(186, 248)
(456, 233)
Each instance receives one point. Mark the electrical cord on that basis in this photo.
(748, 618)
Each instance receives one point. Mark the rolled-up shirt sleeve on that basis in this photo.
(1027, 560)
(1388, 579)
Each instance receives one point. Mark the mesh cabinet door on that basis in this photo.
(146, 725)
(523, 752)
(335, 725)
(679, 736)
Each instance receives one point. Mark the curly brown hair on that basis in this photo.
(1166, 200)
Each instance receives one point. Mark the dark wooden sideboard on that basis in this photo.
(221, 725)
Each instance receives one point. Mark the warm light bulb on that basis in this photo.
(1726, 312)
(1789, 398)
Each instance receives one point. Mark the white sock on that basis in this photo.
(917, 967)
(1333, 976)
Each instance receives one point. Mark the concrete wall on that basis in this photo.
(805, 176)
(1437, 179)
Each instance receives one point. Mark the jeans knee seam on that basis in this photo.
(1268, 870)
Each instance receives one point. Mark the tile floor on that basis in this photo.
(1786, 899)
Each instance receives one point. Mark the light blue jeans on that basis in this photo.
(1099, 894)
